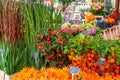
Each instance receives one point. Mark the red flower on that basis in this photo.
(43, 39)
(48, 37)
(53, 49)
(51, 56)
(54, 32)
(45, 54)
(60, 55)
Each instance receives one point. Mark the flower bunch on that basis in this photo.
(71, 29)
(110, 21)
(51, 46)
(101, 24)
(89, 17)
(91, 31)
(53, 73)
(98, 9)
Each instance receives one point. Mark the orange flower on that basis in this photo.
(54, 32)
(89, 17)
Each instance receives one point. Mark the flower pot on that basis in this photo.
(4, 76)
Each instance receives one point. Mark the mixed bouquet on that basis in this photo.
(99, 9)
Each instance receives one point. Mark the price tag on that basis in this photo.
(74, 70)
(102, 59)
(36, 55)
(2, 51)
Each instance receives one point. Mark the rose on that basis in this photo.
(65, 29)
(95, 8)
(99, 7)
(104, 10)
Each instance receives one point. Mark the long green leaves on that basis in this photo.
(34, 19)
(38, 18)
(11, 60)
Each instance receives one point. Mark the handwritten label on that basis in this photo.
(74, 70)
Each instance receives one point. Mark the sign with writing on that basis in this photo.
(74, 70)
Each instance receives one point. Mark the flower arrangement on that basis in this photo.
(109, 21)
(53, 73)
(75, 29)
(98, 9)
(71, 29)
(106, 23)
(51, 46)
(89, 17)
(101, 24)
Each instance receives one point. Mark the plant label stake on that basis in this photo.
(36, 55)
(101, 62)
(74, 71)
(1, 53)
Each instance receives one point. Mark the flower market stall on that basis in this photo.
(41, 42)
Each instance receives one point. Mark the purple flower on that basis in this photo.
(93, 31)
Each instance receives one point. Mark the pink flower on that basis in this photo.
(74, 29)
(65, 29)
(99, 7)
(104, 10)
(95, 8)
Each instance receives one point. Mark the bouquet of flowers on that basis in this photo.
(98, 9)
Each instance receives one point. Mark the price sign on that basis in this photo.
(36, 55)
(74, 70)
(2, 51)
(102, 59)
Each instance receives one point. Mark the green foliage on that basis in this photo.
(12, 59)
(30, 19)
(38, 19)
(51, 46)
(76, 44)
(81, 43)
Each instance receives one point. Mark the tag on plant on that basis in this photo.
(36, 55)
(74, 71)
(101, 62)
(2, 51)
(102, 59)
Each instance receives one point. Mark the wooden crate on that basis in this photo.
(112, 33)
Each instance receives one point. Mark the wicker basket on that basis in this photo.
(112, 33)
